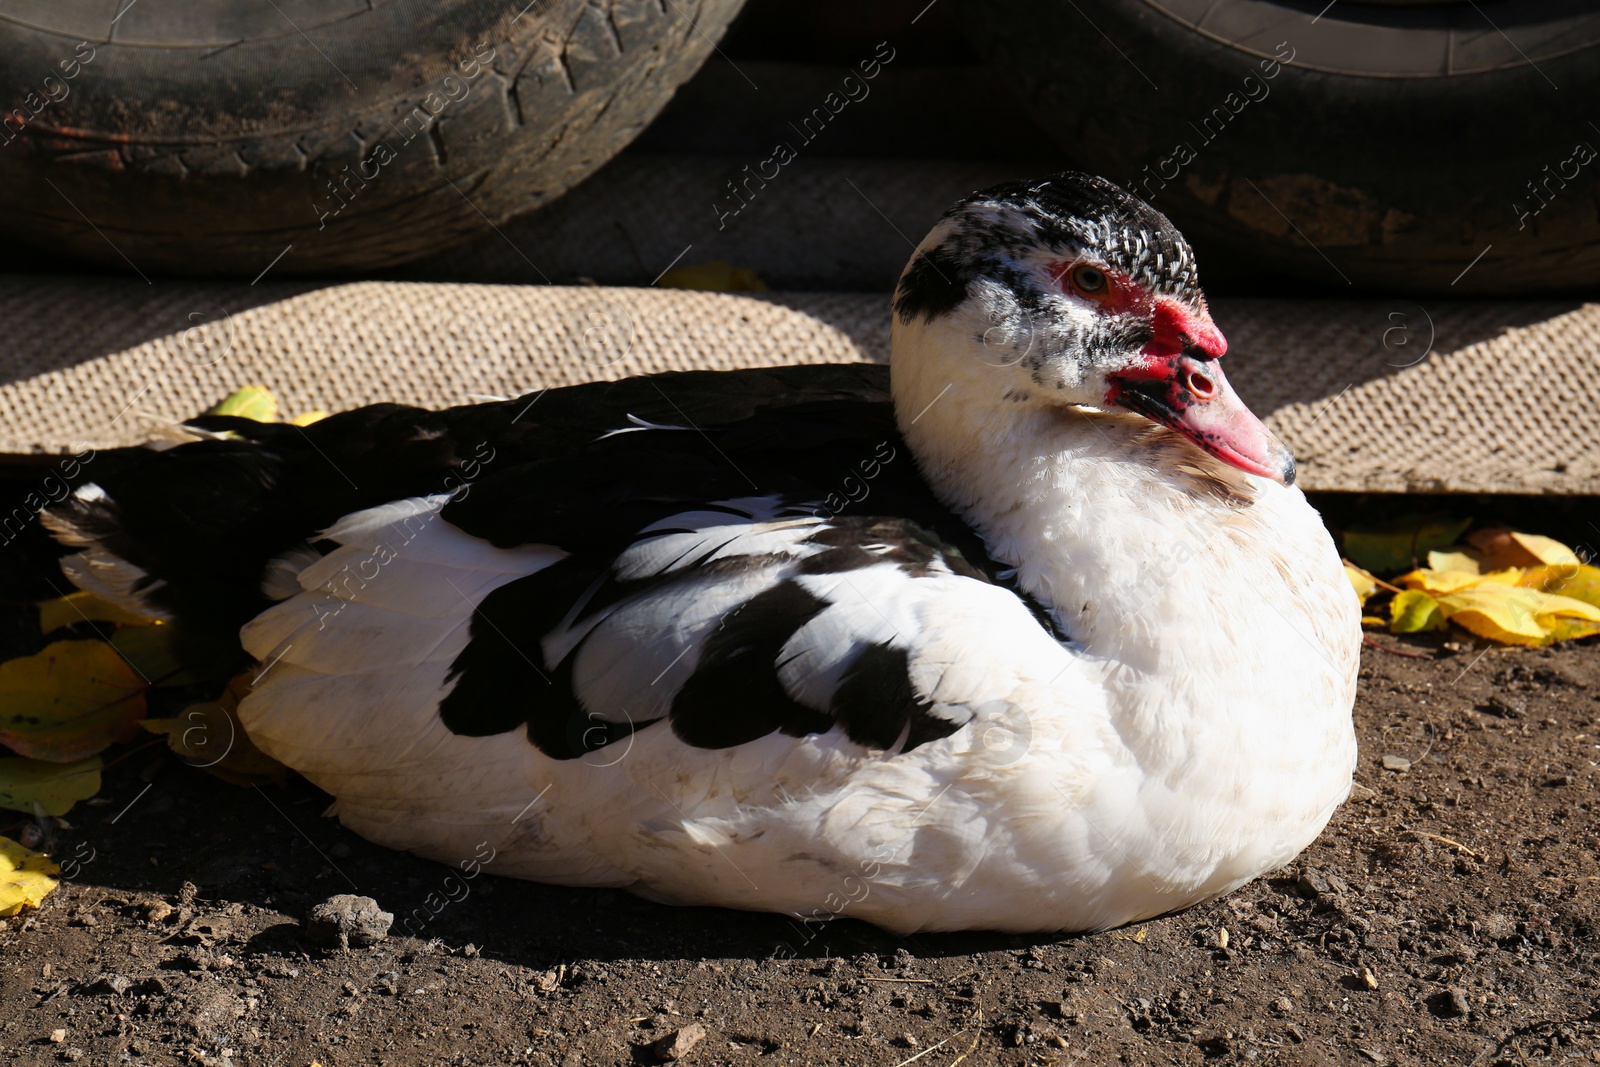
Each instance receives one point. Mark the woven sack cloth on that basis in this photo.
(1370, 395)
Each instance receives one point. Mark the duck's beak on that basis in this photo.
(1188, 392)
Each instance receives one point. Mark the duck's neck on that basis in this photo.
(1133, 536)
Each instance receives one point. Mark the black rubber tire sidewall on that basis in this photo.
(215, 161)
(1355, 181)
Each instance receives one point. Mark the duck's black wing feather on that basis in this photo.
(758, 501)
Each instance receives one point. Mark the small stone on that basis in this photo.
(57, 1036)
(1396, 763)
(1367, 978)
(1283, 1005)
(346, 921)
(157, 910)
(676, 1045)
(1222, 937)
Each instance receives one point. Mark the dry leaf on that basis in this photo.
(1511, 587)
(1414, 611)
(1500, 548)
(53, 787)
(717, 275)
(1363, 583)
(1567, 629)
(1580, 582)
(69, 701)
(1439, 581)
(25, 878)
(1514, 615)
(1453, 561)
(1546, 550)
(209, 736)
(82, 607)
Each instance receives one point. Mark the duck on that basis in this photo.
(1030, 631)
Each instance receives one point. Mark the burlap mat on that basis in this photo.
(1377, 395)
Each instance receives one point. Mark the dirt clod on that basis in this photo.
(346, 921)
(1449, 1003)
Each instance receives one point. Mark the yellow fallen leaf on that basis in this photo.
(717, 275)
(1580, 582)
(1414, 611)
(69, 701)
(1513, 615)
(208, 735)
(1546, 550)
(1363, 583)
(1570, 630)
(1499, 548)
(1452, 561)
(82, 607)
(25, 877)
(250, 402)
(53, 787)
(308, 418)
(1373, 620)
(1440, 581)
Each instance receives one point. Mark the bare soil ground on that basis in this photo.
(1448, 915)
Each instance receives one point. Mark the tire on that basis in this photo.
(211, 137)
(1378, 145)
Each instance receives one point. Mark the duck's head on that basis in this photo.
(1068, 291)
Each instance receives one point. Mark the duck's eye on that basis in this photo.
(1090, 281)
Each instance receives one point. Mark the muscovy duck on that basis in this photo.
(1030, 632)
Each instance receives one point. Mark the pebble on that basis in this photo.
(346, 921)
(1283, 1005)
(676, 1045)
(1396, 763)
